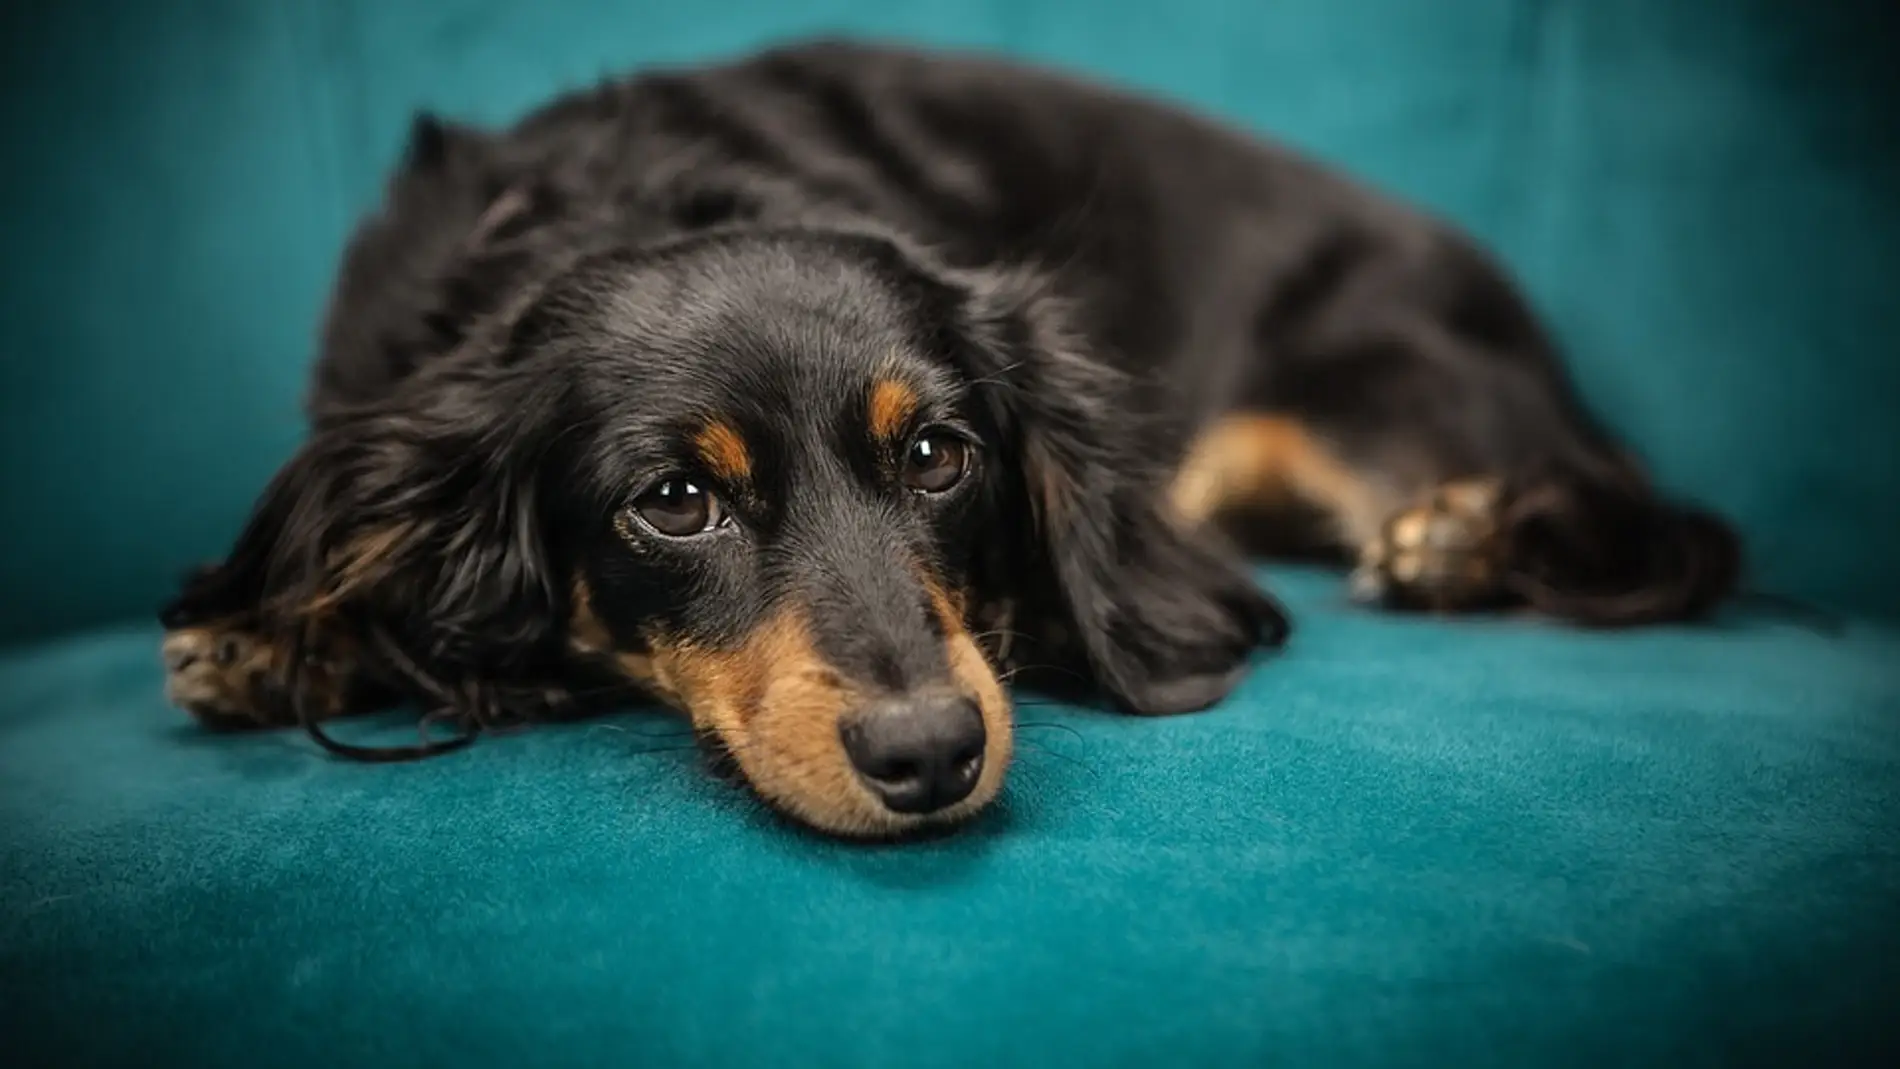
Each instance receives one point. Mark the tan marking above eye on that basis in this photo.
(893, 404)
(723, 450)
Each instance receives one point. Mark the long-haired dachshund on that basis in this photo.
(817, 392)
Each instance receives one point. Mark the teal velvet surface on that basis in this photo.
(1404, 843)
(1698, 192)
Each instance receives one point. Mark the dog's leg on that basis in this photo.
(1257, 471)
(1582, 538)
(1422, 414)
(229, 677)
(1261, 475)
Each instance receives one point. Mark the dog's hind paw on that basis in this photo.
(1443, 554)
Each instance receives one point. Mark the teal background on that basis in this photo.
(1699, 193)
(1405, 842)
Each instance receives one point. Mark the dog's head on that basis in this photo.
(777, 521)
(807, 487)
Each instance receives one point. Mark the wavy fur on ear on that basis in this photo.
(1166, 618)
(409, 530)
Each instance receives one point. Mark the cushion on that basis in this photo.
(1407, 841)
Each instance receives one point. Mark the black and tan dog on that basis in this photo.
(816, 392)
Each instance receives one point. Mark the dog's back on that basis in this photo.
(1225, 275)
(1166, 231)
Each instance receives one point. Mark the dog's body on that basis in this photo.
(813, 391)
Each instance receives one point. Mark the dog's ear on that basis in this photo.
(415, 520)
(1168, 618)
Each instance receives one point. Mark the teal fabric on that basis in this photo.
(1405, 843)
(1698, 192)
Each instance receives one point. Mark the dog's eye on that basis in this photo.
(936, 463)
(678, 508)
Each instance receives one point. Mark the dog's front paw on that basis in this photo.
(1444, 554)
(222, 677)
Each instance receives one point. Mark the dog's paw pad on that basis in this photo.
(216, 675)
(1443, 554)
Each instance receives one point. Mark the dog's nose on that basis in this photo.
(917, 755)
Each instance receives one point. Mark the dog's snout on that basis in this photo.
(918, 755)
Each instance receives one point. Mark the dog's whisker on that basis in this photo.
(1032, 725)
(1045, 751)
(646, 751)
(997, 377)
(1000, 632)
(638, 734)
(1012, 673)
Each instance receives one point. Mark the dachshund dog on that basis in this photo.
(818, 391)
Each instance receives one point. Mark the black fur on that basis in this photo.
(1078, 279)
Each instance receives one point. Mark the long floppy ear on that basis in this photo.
(410, 529)
(1167, 617)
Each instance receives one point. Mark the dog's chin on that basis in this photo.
(876, 825)
(859, 817)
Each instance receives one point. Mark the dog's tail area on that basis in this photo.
(1594, 544)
